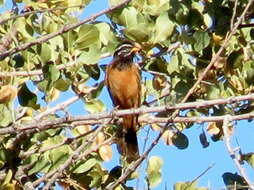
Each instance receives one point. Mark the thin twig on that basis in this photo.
(60, 106)
(233, 16)
(232, 152)
(200, 175)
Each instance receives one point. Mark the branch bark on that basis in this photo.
(232, 152)
(99, 117)
(64, 29)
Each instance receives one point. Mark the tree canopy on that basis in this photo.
(197, 62)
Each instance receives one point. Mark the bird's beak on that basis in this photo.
(137, 48)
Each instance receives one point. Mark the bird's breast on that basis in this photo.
(124, 86)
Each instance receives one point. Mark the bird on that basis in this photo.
(123, 81)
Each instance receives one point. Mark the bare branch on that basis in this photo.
(233, 16)
(64, 29)
(60, 106)
(199, 176)
(232, 152)
(95, 118)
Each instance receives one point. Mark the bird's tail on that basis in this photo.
(129, 147)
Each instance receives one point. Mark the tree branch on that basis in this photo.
(64, 29)
(4, 20)
(232, 152)
(95, 118)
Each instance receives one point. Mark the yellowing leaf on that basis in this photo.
(154, 171)
(213, 129)
(100, 138)
(154, 164)
(82, 129)
(95, 106)
(155, 127)
(167, 137)
(105, 152)
(249, 158)
(53, 95)
(7, 93)
(159, 82)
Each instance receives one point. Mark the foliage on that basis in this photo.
(39, 144)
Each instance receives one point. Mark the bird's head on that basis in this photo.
(127, 50)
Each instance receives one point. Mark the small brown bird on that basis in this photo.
(124, 85)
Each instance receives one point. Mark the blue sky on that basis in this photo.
(179, 165)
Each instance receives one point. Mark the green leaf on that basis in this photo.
(95, 106)
(62, 85)
(186, 185)
(53, 73)
(154, 171)
(249, 158)
(128, 17)
(24, 29)
(173, 65)
(180, 140)
(84, 166)
(97, 175)
(106, 35)
(234, 180)
(45, 53)
(93, 71)
(163, 28)
(90, 57)
(213, 92)
(27, 98)
(42, 164)
(88, 35)
(154, 164)
(115, 2)
(7, 178)
(202, 40)
(96, 92)
(69, 40)
(153, 7)
(154, 179)
(3, 156)
(139, 32)
(58, 156)
(5, 115)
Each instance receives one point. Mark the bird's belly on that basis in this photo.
(126, 88)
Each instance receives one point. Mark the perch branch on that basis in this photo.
(95, 118)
